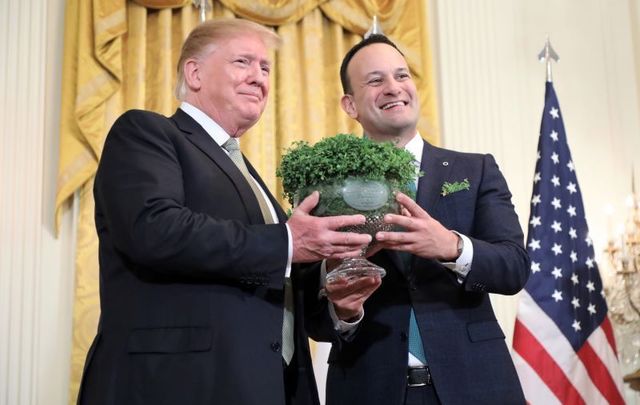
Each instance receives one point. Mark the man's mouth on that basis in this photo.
(393, 104)
(253, 95)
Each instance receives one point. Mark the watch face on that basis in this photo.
(460, 244)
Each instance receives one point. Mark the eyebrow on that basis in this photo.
(381, 73)
(373, 73)
(253, 57)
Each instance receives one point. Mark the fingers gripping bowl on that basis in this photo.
(353, 176)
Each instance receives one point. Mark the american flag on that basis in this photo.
(564, 348)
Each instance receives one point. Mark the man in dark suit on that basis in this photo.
(195, 253)
(428, 334)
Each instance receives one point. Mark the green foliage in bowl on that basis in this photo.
(343, 156)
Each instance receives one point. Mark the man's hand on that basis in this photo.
(317, 238)
(348, 295)
(423, 236)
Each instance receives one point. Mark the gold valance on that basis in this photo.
(399, 20)
(158, 4)
(272, 12)
(354, 15)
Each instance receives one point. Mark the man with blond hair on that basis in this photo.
(198, 294)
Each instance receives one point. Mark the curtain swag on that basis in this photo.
(158, 4)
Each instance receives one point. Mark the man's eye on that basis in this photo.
(375, 81)
(242, 61)
(404, 76)
(266, 69)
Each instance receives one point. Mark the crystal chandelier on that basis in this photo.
(623, 294)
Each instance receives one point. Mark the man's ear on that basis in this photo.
(348, 106)
(192, 74)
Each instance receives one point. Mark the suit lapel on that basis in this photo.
(436, 167)
(282, 216)
(199, 137)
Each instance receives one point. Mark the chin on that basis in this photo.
(400, 124)
(251, 114)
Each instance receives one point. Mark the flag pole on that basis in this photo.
(203, 6)
(375, 28)
(547, 55)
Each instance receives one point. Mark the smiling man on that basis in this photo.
(380, 94)
(199, 301)
(429, 334)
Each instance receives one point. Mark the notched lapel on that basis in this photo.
(282, 216)
(199, 137)
(436, 166)
(428, 193)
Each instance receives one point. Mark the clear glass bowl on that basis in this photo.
(371, 198)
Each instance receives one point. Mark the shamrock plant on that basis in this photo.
(450, 188)
(341, 157)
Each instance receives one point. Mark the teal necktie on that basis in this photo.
(415, 340)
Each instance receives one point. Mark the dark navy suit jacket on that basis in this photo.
(191, 279)
(464, 345)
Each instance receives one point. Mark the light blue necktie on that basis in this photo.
(288, 345)
(233, 147)
(415, 340)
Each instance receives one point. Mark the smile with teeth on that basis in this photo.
(393, 104)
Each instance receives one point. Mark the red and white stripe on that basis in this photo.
(552, 373)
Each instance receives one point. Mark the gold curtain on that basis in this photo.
(122, 54)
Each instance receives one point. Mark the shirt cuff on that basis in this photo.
(287, 272)
(344, 328)
(462, 265)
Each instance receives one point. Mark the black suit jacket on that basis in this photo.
(191, 279)
(464, 345)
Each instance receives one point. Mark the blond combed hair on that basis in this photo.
(204, 37)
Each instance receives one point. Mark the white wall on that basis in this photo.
(36, 269)
(492, 93)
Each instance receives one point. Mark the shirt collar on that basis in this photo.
(212, 128)
(415, 146)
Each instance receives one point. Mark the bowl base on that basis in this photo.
(354, 268)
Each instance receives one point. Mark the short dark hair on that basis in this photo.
(371, 39)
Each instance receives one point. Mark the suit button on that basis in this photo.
(275, 346)
(403, 336)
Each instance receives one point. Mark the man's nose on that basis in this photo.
(392, 87)
(257, 76)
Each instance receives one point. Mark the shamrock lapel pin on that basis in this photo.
(450, 188)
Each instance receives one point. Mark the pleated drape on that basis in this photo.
(122, 54)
